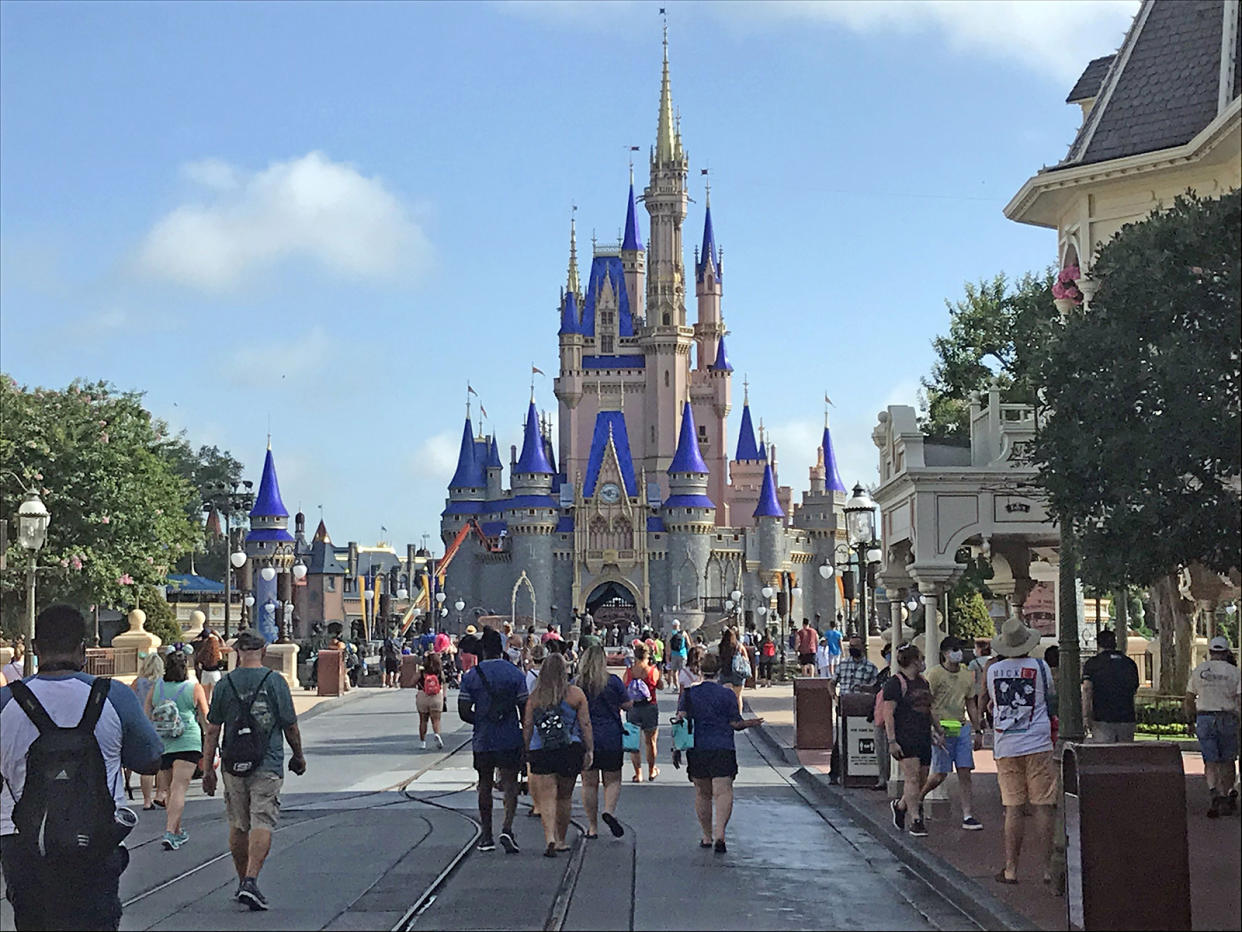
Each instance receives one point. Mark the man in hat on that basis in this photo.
(252, 802)
(1212, 700)
(468, 649)
(1021, 692)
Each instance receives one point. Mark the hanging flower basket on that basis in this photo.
(1065, 288)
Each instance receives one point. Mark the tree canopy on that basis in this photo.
(1142, 445)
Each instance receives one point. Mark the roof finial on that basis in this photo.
(827, 403)
(745, 389)
(664, 149)
(573, 284)
(707, 186)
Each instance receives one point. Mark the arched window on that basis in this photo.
(666, 374)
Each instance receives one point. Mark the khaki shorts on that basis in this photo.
(429, 704)
(1030, 778)
(253, 800)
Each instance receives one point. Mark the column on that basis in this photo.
(894, 611)
(936, 803)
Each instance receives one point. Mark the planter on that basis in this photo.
(1064, 305)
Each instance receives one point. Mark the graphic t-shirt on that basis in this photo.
(606, 714)
(912, 717)
(950, 691)
(833, 637)
(272, 709)
(508, 685)
(1214, 684)
(714, 710)
(1019, 688)
(1114, 681)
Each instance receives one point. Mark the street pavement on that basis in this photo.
(379, 835)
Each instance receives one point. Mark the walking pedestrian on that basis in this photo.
(882, 762)
(468, 649)
(854, 674)
(767, 657)
(1212, 701)
(606, 698)
(253, 710)
(429, 699)
(49, 880)
(1020, 692)
(178, 710)
(955, 716)
(692, 673)
(642, 680)
(676, 651)
(908, 721)
(711, 764)
(556, 729)
(808, 645)
(734, 664)
(978, 667)
(1109, 681)
(150, 669)
(833, 636)
(209, 665)
(390, 656)
(492, 700)
(13, 670)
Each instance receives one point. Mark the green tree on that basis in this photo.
(161, 617)
(996, 332)
(969, 618)
(208, 467)
(104, 468)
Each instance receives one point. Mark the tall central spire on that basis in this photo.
(572, 285)
(665, 142)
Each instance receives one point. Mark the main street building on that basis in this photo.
(635, 508)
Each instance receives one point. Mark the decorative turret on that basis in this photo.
(269, 543)
(572, 285)
(530, 513)
(832, 475)
(747, 449)
(768, 506)
(709, 327)
(689, 514)
(722, 363)
(634, 258)
(569, 314)
(494, 472)
(469, 472)
(321, 533)
(534, 458)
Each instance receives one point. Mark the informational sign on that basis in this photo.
(860, 746)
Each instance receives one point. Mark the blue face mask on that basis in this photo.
(955, 656)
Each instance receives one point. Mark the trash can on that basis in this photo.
(409, 671)
(857, 738)
(1127, 862)
(331, 672)
(812, 713)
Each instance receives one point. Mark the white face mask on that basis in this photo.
(955, 656)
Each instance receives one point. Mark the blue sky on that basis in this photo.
(327, 217)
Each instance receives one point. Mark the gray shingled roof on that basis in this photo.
(1165, 92)
(1088, 85)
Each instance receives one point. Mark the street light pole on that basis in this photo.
(32, 521)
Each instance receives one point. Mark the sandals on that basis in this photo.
(1001, 878)
(637, 778)
(652, 774)
(550, 851)
(589, 836)
(613, 824)
(705, 844)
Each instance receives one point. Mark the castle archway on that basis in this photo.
(611, 602)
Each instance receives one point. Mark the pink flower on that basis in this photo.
(103, 438)
(150, 559)
(65, 564)
(125, 579)
(38, 475)
(76, 563)
(105, 520)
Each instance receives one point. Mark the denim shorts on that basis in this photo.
(1218, 736)
(956, 752)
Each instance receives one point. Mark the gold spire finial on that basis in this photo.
(664, 129)
(573, 283)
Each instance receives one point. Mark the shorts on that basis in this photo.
(1112, 732)
(807, 660)
(765, 668)
(1028, 778)
(921, 748)
(646, 716)
(561, 762)
(210, 677)
(253, 801)
(676, 662)
(507, 759)
(392, 666)
(1218, 736)
(190, 757)
(428, 705)
(607, 761)
(43, 900)
(705, 764)
(957, 752)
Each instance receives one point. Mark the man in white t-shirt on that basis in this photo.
(1020, 690)
(1212, 699)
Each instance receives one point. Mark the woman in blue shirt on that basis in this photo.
(606, 697)
(712, 763)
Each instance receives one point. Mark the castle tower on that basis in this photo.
(770, 521)
(709, 327)
(531, 514)
(712, 380)
(494, 472)
(746, 467)
(689, 516)
(821, 517)
(633, 259)
(467, 488)
(269, 543)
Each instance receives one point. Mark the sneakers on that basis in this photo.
(918, 829)
(899, 816)
(509, 843)
(249, 894)
(422, 745)
(971, 824)
(486, 844)
(1214, 809)
(439, 740)
(169, 841)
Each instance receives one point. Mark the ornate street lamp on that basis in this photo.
(32, 521)
(459, 605)
(860, 530)
(229, 499)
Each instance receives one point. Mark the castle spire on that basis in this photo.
(533, 459)
(722, 363)
(769, 506)
(666, 145)
(572, 284)
(747, 449)
(832, 475)
(469, 472)
(688, 459)
(267, 503)
(633, 239)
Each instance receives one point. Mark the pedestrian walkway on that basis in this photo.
(1215, 844)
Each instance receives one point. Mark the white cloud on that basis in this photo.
(436, 457)
(1053, 37)
(309, 207)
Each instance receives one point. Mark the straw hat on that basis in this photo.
(1015, 639)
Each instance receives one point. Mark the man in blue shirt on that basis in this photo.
(492, 699)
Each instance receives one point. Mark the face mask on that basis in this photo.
(955, 656)
(920, 666)
(855, 652)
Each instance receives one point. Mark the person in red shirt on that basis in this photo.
(808, 644)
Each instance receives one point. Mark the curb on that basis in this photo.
(972, 898)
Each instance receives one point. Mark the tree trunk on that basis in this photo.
(1176, 626)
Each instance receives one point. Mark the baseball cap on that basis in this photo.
(249, 639)
(471, 629)
(1219, 643)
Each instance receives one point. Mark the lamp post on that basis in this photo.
(459, 605)
(860, 529)
(767, 592)
(229, 499)
(32, 521)
(440, 597)
(298, 571)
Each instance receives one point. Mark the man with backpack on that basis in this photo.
(64, 737)
(253, 708)
(390, 654)
(677, 651)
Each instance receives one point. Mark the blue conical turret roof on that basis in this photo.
(533, 458)
(493, 456)
(633, 239)
(709, 251)
(769, 506)
(687, 458)
(747, 449)
(267, 503)
(722, 363)
(832, 475)
(469, 473)
(569, 314)
(763, 451)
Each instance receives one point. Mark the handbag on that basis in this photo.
(683, 730)
(629, 736)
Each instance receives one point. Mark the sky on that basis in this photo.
(321, 220)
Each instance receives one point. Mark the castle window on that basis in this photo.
(667, 320)
(702, 433)
(653, 433)
(331, 584)
(666, 373)
(605, 344)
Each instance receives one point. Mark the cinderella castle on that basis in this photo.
(635, 509)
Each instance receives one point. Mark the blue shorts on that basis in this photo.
(1218, 736)
(956, 752)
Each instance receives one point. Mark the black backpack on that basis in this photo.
(67, 808)
(554, 731)
(676, 642)
(245, 742)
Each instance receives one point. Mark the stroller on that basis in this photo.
(452, 675)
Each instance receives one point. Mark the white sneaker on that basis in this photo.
(423, 744)
(439, 741)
